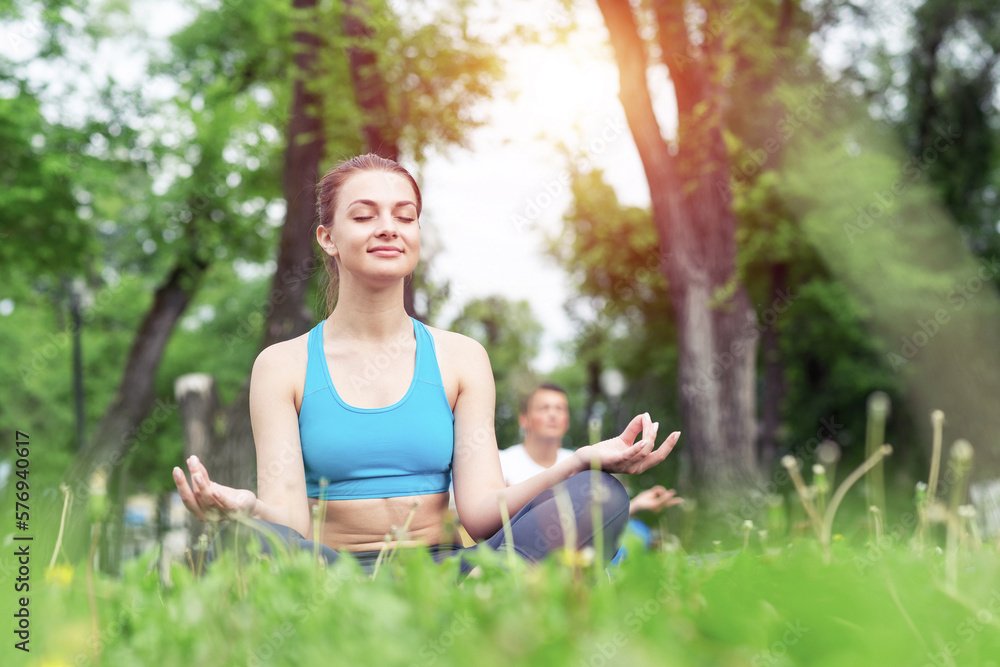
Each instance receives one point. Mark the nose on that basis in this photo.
(386, 226)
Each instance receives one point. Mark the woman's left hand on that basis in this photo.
(623, 454)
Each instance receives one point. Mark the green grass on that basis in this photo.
(869, 606)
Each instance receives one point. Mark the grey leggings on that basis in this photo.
(536, 530)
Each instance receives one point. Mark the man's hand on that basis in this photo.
(654, 499)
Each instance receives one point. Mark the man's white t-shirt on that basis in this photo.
(517, 466)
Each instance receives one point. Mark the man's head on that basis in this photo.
(545, 413)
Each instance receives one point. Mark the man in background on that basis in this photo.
(545, 419)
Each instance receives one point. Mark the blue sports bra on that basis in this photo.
(404, 449)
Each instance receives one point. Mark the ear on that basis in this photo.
(522, 421)
(326, 241)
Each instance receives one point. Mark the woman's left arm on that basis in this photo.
(479, 485)
(476, 473)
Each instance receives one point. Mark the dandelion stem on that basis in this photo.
(937, 421)
(961, 464)
(508, 535)
(596, 520)
(316, 529)
(319, 517)
(564, 506)
(878, 410)
(95, 626)
(202, 550)
(800, 486)
(62, 523)
(381, 553)
(401, 533)
(838, 496)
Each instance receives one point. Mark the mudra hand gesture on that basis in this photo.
(625, 454)
(208, 500)
(654, 499)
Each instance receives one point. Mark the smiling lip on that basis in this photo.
(386, 251)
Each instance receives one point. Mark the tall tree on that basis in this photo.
(697, 231)
(202, 211)
(233, 460)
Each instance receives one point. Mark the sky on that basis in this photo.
(489, 207)
(493, 206)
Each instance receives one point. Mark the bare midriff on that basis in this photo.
(362, 524)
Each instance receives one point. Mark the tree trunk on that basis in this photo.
(289, 316)
(696, 226)
(234, 461)
(381, 134)
(774, 378)
(381, 137)
(128, 418)
(198, 405)
(121, 424)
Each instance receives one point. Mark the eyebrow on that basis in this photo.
(369, 202)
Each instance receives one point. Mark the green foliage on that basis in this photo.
(833, 365)
(113, 193)
(37, 395)
(623, 311)
(42, 231)
(951, 82)
(882, 605)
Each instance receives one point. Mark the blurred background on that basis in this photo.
(743, 217)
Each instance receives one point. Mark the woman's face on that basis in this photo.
(375, 232)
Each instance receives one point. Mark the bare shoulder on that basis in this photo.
(283, 353)
(457, 349)
(282, 366)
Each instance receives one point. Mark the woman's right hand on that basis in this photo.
(208, 500)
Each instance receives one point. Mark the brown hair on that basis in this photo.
(326, 201)
(545, 386)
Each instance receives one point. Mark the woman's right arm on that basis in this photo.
(281, 488)
(281, 478)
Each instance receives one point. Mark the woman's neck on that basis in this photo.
(369, 315)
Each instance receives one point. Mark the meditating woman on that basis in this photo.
(373, 414)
